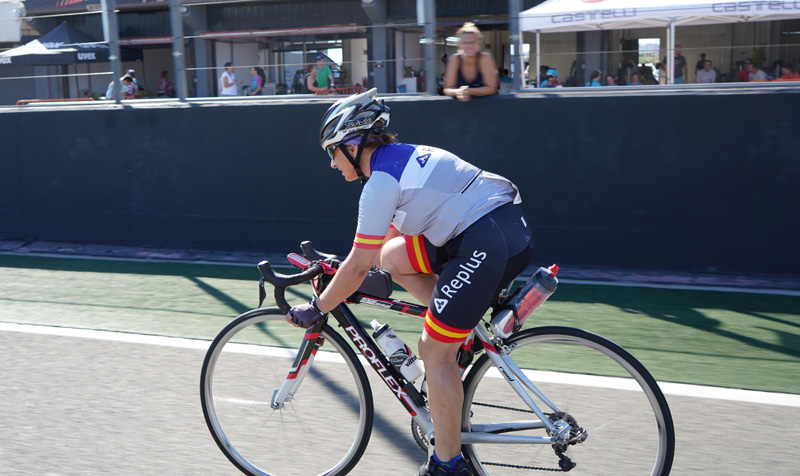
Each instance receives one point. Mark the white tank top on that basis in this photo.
(230, 90)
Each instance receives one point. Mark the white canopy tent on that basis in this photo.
(591, 15)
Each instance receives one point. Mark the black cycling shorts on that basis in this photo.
(473, 268)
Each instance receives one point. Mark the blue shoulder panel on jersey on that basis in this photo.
(392, 159)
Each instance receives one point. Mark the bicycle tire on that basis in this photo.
(615, 399)
(323, 429)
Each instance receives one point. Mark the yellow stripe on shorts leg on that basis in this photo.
(418, 244)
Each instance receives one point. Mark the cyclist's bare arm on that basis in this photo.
(348, 278)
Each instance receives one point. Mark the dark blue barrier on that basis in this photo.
(691, 181)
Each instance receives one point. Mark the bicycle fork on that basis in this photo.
(312, 341)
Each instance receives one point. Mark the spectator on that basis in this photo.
(707, 74)
(259, 78)
(471, 72)
(323, 74)
(679, 68)
(310, 80)
(134, 90)
(635, 79)
(164, 87)
(610, 81)
(543, 73)
(594, 80)
(298, 82)
(127, 81)
(754, 74)
(227, 81)
(505, 85)
(551, 80)
(701, 63)
(744, 73)
(789, 74)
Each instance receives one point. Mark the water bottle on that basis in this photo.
(521, 305)
(399, 354)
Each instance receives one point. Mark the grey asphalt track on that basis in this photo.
(76, 406)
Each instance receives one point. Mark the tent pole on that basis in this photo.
(538, 62)
(671, 54)
(672, 50)
(111, 36)
(515, 38)
(178, 53)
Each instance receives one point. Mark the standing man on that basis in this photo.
(324, 74)
(679, 69)
(227, 81)
(707, 74)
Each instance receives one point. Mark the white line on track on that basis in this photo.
(676, 389)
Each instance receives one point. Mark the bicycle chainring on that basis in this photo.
(419, 436)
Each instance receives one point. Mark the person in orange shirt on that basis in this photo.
(789, 74)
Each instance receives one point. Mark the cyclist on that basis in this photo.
(465, 238)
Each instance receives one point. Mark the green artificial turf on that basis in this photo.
(739, 340)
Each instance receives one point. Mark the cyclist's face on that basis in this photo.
(339, 162)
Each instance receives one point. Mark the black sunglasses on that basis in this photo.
(331, 149)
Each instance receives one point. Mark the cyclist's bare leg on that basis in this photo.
(445, 393)
(394, 258)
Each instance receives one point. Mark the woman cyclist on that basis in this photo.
(464, 238)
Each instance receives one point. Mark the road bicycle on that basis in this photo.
(547, 398)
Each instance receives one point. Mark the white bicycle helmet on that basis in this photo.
(350, 121)
(362, 113)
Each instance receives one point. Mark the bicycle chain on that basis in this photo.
(553, 417)
(491, 405)
(518, 466)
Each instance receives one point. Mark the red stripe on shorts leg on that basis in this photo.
(442, 332)
(412, 255)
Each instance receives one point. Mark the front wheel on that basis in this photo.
(322, 429)
(597, 386)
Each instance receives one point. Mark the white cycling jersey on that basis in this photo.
(423, 190)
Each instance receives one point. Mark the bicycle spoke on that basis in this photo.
(328, 414)
(613, 420)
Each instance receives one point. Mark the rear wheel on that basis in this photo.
(596, 384)
(323, 429)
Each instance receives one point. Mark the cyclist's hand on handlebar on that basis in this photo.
(305, 315)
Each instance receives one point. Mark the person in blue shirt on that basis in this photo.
(635, 81)
(552, 80)
(594, 80)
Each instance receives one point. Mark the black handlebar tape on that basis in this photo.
(283, 281)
